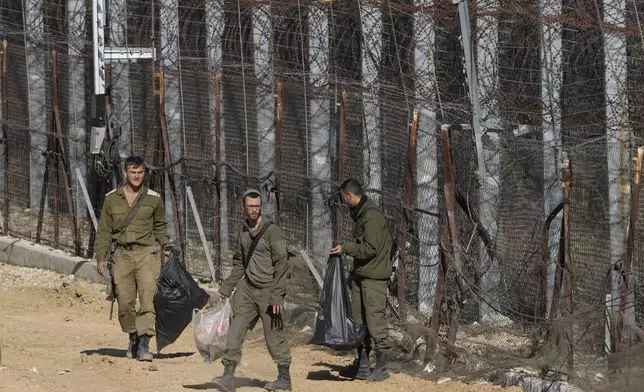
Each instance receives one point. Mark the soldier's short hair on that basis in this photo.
(352, 186)
(133, 160)
(252, 193)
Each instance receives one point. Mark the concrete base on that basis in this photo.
(23, 253)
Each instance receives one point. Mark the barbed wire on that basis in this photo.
(542, 65)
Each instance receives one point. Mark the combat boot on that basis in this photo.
(360, 368)
(227, 380)
(133, 346)
(283, 382)
(144, 353)
(380, 372)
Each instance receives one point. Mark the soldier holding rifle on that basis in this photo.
(132, 223)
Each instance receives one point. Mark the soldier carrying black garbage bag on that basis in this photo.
(372, 270)
(133, 223)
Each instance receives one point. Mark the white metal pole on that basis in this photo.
(264, 93)
(426, 156)
(371, 23)
(551, 85)
(170, 60)
(617, 131)
(37, 97)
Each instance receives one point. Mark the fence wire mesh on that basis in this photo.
(534, 264)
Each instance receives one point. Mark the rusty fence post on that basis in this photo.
(62, 157)
(56, 150)
(564, 276)
(545, 260)
(50, 154)
(5, 134)
(217, 218)
(566, 232)
(56, 193)
(561, 257)
(628, 259)
(340, 174)
(435, 322)
(570, 267)
(43, 193)
(167, 160)
(278, 151)
(450, 201)
(405, 219)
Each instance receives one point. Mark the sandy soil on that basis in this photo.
(56, 336)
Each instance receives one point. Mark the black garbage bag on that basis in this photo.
(334, 327)
(176, 297)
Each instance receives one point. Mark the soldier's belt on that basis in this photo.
(131, 246)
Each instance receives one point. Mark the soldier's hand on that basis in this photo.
(337, 250)
(101, 266)
(276, 316)
(167, 250)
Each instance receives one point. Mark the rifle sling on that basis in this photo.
(132, 214)
(253, 244)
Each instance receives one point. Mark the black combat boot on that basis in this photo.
(133, 346)
(360, 368)
(227, 380)
(283, 382)
(380, 372)
(144, 353)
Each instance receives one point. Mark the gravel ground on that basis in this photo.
(21, 278)
(56, 335)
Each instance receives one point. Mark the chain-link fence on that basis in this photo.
(534, 264)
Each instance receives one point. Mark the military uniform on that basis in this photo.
(264, 284)
(136, 259)
(372, 269)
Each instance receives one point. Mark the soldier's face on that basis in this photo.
(347, 198)
(253, 208)
(135, 175)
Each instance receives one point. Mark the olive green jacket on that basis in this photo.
(372, 247)
(268, 265)
(146, 228)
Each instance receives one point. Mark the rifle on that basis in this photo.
(110, 269)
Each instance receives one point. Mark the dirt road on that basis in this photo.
(55, 336)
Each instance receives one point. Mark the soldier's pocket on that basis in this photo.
(118, 215)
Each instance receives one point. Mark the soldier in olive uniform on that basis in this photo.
(260, 295)
(372, 269)
(136, 258)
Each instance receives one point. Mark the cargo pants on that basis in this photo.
(368, 306)
(249, 304)
(136, 271)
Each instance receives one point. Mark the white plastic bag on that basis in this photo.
(210, 329)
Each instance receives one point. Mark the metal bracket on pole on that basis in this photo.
(103, 54)
(119, 54)
(464, 18)
(98, 43)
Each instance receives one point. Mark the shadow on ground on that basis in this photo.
(240, 382)
(326, 375)
(120, 353)
(106, 352)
